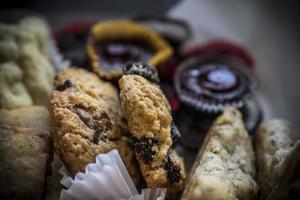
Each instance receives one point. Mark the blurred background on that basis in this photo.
(268, 29)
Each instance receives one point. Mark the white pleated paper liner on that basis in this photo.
(106, 179)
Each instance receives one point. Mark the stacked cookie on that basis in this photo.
(87, 119)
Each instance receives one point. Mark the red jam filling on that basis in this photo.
(114, 55)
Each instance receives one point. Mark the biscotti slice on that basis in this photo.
(225, 165)
(25, 156)
(151, 126)
(36, 117)
(277, 145)
(86, 120)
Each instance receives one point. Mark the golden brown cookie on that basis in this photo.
(150, 123)
(277, 146)
(225, 165)
(25, 156)
(86, 120)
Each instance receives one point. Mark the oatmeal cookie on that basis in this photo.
(225, 165)
(151, 125)
(86, 120)
(25, 156)
(277, 145)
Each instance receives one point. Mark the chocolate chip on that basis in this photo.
(173, 170)
(143, 148)
(96, 137)
(142, 69)
(175, 134)
(65, 85)
(85, 117)
(99, 122)
(102, 126)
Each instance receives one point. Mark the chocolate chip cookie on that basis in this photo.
(87, 120)
(151, 125)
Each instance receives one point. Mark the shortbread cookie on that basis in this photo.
(38, 73)
(151, 125)
(9, 50)
(87, 120)
(225, 165)
(36, 117)
(27, 44)
(25, 156)
(13, 93)
(277, 145)
(39, 29)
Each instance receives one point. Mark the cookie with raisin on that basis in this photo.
(87, 120)
(150, 123)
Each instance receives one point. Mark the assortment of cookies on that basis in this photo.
(124, 99)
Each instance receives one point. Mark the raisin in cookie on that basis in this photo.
(25, 156)
(225, 165)
(87, 120)
(277, 145)
(151, 125)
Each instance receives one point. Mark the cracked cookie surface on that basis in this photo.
(86, 120)
(150, 123)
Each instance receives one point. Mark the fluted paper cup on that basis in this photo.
(106, 179)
